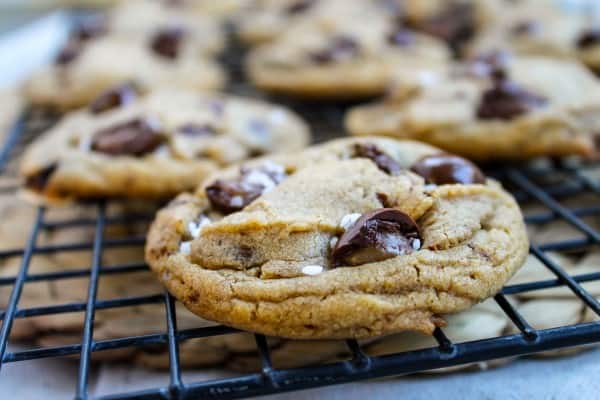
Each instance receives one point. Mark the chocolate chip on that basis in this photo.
(115, 97)
(299, 7)
(69, 52)
(455, 24)
(382, 160)
(340, 48)
(377, 235)
(233, 195)
(401, 38)
(86, 29)
(589, 38)
(506, 100)
(39, 180)
(195, 130)
(167, 42)
(528, 27)
(136, 137)
(443, 169)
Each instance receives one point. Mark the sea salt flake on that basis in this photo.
(312, 269)
(349, 220)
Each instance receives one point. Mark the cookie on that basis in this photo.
(339, 241)
(147, 20)
(541, 28)
(337, 55)
(173, 53)
(153, 146)
(496, 107)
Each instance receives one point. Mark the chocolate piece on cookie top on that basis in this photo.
(506, 99)
(340, 48)
(375, 236)
(85, 30)
(39, 180)
(443, 169)
(114, 97)
(299, 7)
(167, 42)
(382, 160)
(455, 24)
(589, 38)
(135, 137)
(232, 195)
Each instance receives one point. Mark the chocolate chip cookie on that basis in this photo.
(337, 55)
(166, 48)
(541, 28)
(153, 146)
(492, 107)
(353, 238)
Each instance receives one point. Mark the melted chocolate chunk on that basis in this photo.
(443, 169)
(299, 7)
(340, 48)
(232, 195)
(113, 98)
(589, 38)
(401, 38)
(377, 235)
(506, 100)
(39, 180)
(194, 130)
(136, 137)
(167, 42)
(528, 27)
(455, 24)
(83, 31)
(69, 52)
(382, 160)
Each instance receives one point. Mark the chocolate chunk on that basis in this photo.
(233, 195)
(299, 7)
(589, 38)
(115, 97)
(528, 27)
(506, 100)
(136, 137)
(69, 52)
(455, 24)
(340, 48)
(377, 235)
(401, 38)
(39, 180)
(382, 160)
(167, 42)
(443, 169)
(84, 30)
(195, 130)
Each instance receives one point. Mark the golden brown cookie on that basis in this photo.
(339, 241)
(153, 146)
(495, 107)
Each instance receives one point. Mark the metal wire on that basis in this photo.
(526, 183)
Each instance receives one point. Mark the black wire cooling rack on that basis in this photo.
(548, 184)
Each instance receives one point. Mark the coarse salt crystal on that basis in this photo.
(312, 269)
(349, 220)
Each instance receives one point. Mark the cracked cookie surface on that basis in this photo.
(493, 107)
(153, 146)
(255, 247)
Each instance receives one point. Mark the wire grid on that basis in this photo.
(548, 184)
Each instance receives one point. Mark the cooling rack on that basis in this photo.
(550, 184)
